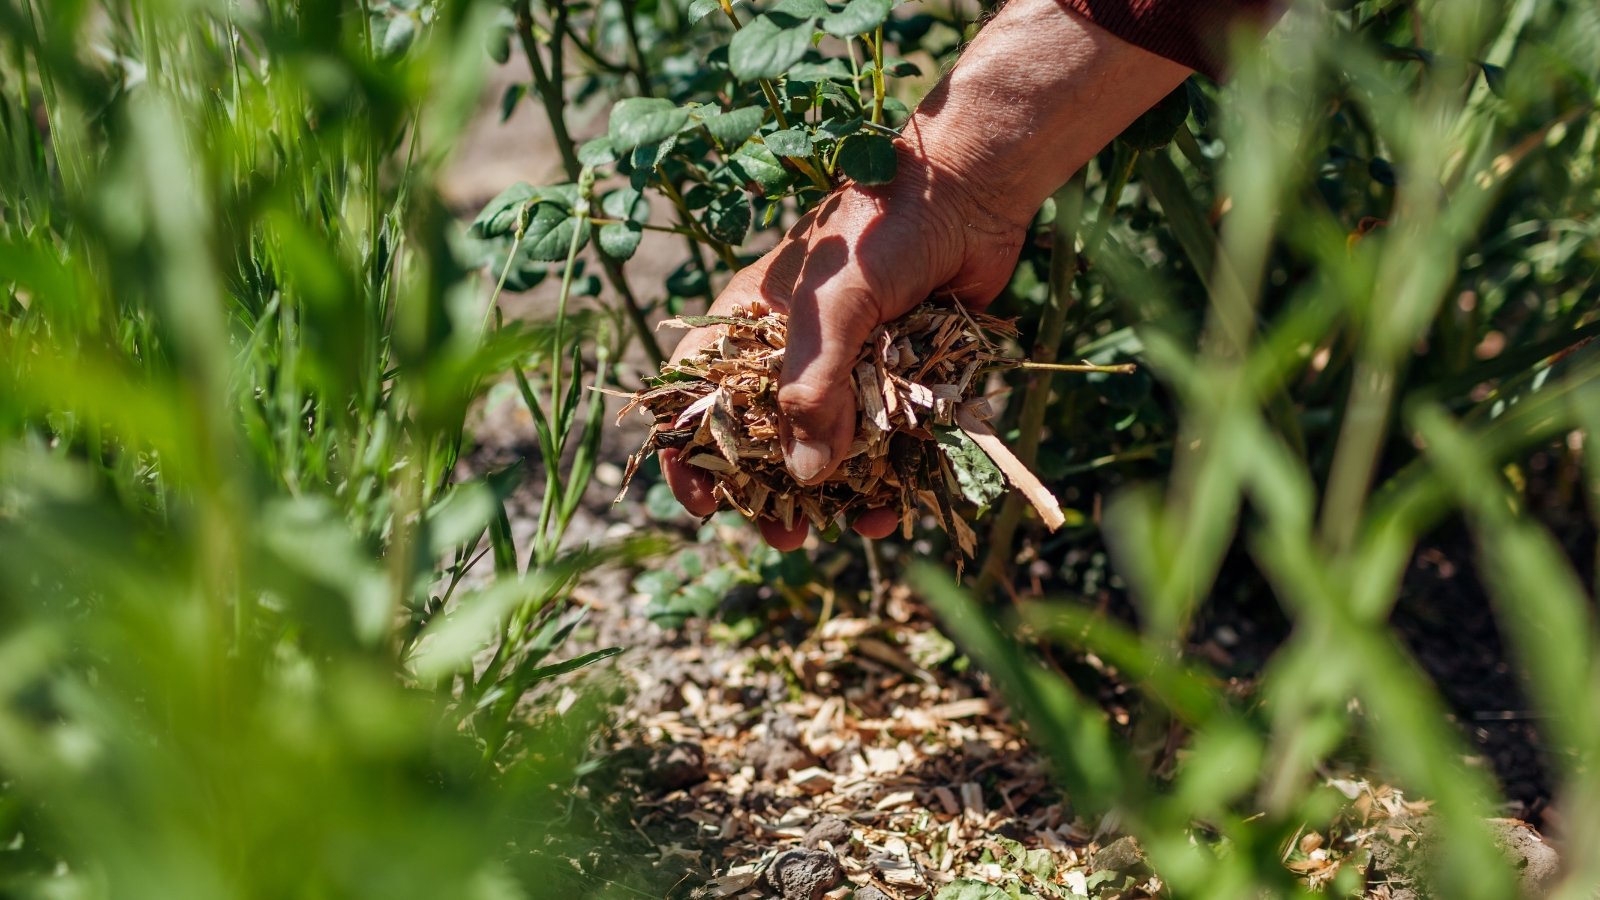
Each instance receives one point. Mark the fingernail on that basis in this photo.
(807, 459)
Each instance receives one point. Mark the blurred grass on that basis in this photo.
(239, 336)
(1370, 308)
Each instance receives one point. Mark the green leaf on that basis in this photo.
(509, 100)
(868, 158)
(967, 889)
(397, 37)
(735, 126)
(798, 10)
(980, 479)
(755, 165)
(464, 513)
(728, 217)
(627, 203)
(644, 120)
(498, 43)
(790, 142)
(765, 49)
(597, 152)
(619, 240)
(857, 17)
(549, 232)
(837, 127)
(499, 216)
(662, 506)
(699, 9)
(544, 673)
(1155, 128)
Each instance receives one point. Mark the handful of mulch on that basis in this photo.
(922, 434)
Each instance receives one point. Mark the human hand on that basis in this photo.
(865, 256)
(1034, 97)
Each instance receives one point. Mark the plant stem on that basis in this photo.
(771, 93)
(641, 72)
(1036, 402)
(547, 85)
(1033, 366)
(877, 77)
(700, 234)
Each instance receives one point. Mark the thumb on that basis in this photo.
(816, 395)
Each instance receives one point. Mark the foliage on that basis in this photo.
(1359, 285)
(1370, 309)
(247, 651)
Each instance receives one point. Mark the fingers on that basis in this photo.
(690, 484)
(874, 524)
(817, 394)
(781, 538)
(877, 523)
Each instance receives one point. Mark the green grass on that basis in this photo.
(239, 335)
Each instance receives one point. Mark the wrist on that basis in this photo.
(1037, 94)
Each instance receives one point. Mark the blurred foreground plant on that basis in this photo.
(239, 336)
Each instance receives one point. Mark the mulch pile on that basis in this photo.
(922, 439)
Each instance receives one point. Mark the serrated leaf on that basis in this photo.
(756, 165)
(597, 152)
(735, 126)
(765, 49)
(790, 142)
(857, 17)
(981, 480)
(868, 158)
(826, 70)
(636, 121)
(550, 230)
(840, 127)
(728, 217)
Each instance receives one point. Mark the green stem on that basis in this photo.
(1033, 366)
(700, 234)
(554, 101)
(1036, 400)
(546, 542)
(771, 93)
(505, 270)
(877, 76)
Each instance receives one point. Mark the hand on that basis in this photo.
(1036, 95)
(865, 256)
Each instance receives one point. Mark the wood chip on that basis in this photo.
(719, 409)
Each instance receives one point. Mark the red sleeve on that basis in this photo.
(1192, 32)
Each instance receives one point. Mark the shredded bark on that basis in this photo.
(917, 386)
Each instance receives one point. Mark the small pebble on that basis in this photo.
(832, 829)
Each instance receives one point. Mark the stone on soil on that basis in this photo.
(832, 829)
(676, 766)
(803, 874)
